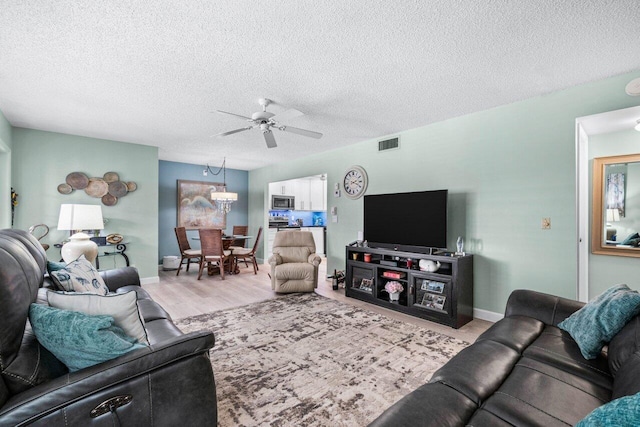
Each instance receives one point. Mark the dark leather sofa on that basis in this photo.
(523, 371)
(169, 383)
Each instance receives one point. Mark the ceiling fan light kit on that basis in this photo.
(633, 87)
(265, 120)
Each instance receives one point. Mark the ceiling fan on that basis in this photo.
(266, 120)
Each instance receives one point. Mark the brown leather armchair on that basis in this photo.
(168, 383)
(294, 263)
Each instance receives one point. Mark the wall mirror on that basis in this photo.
(615, 226)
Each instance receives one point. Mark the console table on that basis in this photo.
(111, 250)
(444, 296)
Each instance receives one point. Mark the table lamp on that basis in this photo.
(77, 218)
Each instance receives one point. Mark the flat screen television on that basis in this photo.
(415, 221)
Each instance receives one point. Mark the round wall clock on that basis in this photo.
(355, 182)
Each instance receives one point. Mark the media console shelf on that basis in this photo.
(444, 296)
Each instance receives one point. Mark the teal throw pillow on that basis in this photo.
(79, 276)
(79, 340)
(55, 266)
(595, 324)
(631, 239)
(624, 411)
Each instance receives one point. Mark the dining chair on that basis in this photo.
(186, 253)
(212, 250)
(248, 254)
(240, 230)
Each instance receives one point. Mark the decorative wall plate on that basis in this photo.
(77, 180)
(64, 189)
(111, 177)
(97, 187)
(118, 189)
(109, 200)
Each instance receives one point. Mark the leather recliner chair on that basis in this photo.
(294, 262)
(168, 383)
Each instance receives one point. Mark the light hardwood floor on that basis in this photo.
(183, 296)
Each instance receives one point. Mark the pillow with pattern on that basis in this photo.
(80, 276)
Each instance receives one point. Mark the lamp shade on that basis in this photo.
(224, 195)
(613, 215)
(80, 217)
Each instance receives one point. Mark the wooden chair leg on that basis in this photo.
(221, 265)
(180, 266)
(202, 263)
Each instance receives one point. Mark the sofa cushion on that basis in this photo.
(624, 411)
(556, 348)
(33, 365)
(626, 381)
(79, 340)
(432, 402)
(516, 332)
(80, 276)
(477, 371)
(122, 307)
(528, 398)
(595, 324)
(624, 344)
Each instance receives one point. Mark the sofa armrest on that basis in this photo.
(314, 259)
(119, 277)
(274, 260)
(73, 387)
(549, 309)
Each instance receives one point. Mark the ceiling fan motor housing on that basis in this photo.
(262, 116)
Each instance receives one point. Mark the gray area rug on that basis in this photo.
(307, 360)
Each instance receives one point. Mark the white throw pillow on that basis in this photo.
(122, 307)
(80, 276)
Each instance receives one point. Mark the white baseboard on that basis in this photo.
(147, 280)
(487, 315)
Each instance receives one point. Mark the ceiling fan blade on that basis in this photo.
(303, 132)
(268, 137)
(287, 115)
(231, 132)
(234, 114)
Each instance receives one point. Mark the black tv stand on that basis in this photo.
(444, 296)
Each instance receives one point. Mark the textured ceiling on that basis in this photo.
(153, 71)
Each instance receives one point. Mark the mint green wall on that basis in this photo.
(5, 172)
(605, 270)
(505, 169)
(42, 160)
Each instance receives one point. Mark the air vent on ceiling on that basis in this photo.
(389, 144)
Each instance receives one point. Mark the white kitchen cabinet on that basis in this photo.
(271, 235)
(310, 193)
(317, 195)
(318, 237)
(282, 188)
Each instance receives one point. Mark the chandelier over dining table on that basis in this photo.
(224, 198)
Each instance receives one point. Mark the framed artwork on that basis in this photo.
(195, 207)
(615, 192)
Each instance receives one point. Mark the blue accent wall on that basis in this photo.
(169, 174)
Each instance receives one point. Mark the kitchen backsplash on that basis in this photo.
(309, 218)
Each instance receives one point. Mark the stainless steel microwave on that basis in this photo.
(283, 202)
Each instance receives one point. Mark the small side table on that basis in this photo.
(120, 249)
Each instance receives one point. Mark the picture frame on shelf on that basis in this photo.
(433, 286)
(366, 285)
(433, 301)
